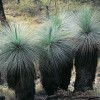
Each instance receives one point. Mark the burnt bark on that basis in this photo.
(55, 72)
(65, 75)
(2, 97)
(2, 15)
(1, 79)
(48, 79)
(85, 64)
(53, 80)
(22, 82)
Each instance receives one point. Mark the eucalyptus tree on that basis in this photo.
(85, 25)
(17, 56)
(56, 60)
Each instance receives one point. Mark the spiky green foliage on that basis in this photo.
(53, 37)
(85, 25)
(17, 56)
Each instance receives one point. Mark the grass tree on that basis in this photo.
(86, 27)
(56, 59)
(17, 56)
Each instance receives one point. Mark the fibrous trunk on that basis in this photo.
(85, 64)
(53, 78)
(48, 78)
(65, 75)
(22, 81)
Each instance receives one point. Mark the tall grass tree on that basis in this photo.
(56, 60)
(85, 25)
(17, 57)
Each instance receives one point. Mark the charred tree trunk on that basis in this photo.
(22, 82)
(56, 78)
(65, 75)
(85, 64)
(48, 79)
(55, 75)
(2, 15)
(0, 79)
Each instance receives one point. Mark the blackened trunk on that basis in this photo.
(22, 81)
(65, 75)
(85, 64)
(48, 77)
(2, 15)
(2, 97)
(54, 77)
(2, 78)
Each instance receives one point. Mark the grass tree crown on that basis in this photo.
(85, 26)
(18, 53)
(54, 38)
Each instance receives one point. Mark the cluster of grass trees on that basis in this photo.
(67, 37)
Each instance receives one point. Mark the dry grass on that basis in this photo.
(9, 94)
(28, 13)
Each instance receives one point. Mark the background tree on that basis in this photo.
(2, 15)
(47, 5)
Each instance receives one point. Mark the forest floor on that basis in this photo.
(34, 22)
(60, 95)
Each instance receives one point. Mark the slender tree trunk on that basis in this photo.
(47, 11)
(56, 6)
(2, 15)
(85, 64)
